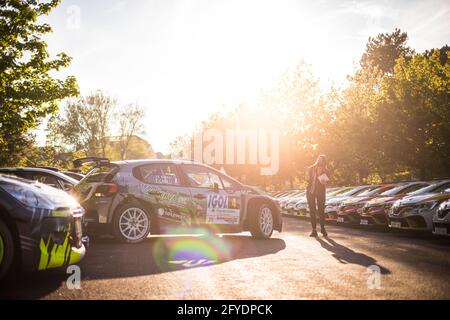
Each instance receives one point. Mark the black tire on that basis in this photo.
(7, 251)
(119, 228)
(257, 214)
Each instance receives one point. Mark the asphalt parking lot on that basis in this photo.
(291, 265)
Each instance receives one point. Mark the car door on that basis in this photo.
(212, 201)
(165, 190)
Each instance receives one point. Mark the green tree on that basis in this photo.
(84, 125)
(130, 124)
(383, 50)
(28, 90)
(415, 114)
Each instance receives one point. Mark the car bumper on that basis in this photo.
(441, 229)
(378, 218)
(411, 222)
(55, 242)
(352, 217)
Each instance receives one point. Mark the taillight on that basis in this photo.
(106, 190)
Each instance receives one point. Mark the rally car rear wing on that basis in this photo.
(96, 160)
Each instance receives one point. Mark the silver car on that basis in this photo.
(131, 199)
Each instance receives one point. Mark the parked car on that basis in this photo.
(49, 177)
(289, 206)
(40, 227)
(134, 198)
(71, 173)
(441, 219)
(416, 210)
(332, 204)
(376, 211)
(301, 208)
(350, 210)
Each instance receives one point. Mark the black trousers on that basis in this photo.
(316, 204)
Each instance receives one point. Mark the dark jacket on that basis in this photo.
(314, 186)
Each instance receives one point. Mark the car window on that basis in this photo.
(369, 192)
(158, 173)
(102, 173)
(355, 191)
(65, 185)
(20, 174)
(201, 177)
(436, 187)
(414, 188)
(228, 183)
(443, 187)
(45, 178)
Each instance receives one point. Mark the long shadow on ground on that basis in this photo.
(108, 259)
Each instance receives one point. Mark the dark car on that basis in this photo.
(376, 211)
(350, 210)
(40, 227)
(134, 198)
(46, 176)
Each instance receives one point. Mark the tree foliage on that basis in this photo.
(392, 121)
(96, 125)
(28, 90)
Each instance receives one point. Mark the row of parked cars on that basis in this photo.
(48, 215)
(414, 205)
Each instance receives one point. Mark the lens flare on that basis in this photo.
(186, 251)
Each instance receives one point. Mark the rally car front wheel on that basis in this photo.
(262, 222)
(6, 250)
(131, 223)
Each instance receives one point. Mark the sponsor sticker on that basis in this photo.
(364, 222)
(222, 209)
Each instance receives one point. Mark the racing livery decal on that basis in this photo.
(222, 209)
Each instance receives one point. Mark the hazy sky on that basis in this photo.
(183, 59)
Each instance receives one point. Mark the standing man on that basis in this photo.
(317, 177)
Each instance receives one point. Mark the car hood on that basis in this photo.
(425, 197)
(356, 200)
(382, 200)
(336, 200)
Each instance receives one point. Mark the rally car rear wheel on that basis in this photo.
(131, 224)
(6, 250)
(261, 222)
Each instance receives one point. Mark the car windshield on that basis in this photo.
(393, 191)
(436, 187)
(100, 174)
(369, 192)
(292, 194)
(339, 191)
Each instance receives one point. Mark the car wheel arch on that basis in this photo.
(133, 200)
(259, 200)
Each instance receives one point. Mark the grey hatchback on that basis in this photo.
(134, 198)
